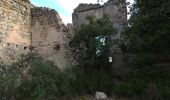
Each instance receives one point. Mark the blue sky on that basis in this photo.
(63, 7)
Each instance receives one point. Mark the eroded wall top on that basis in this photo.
(85, 7)
(45, 16)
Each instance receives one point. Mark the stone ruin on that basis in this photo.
(116, 10)
(15, 25)
(25, 28)
(50, 37)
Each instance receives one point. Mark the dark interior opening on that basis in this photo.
(57, 47)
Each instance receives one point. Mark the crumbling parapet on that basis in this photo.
(45, 16)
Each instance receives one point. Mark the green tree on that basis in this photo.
(149, 27)
(147, 49)
(94, 42)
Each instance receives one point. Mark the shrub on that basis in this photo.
(90, 82)
(32, 78)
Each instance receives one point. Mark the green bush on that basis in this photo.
(32, 78)
(146, 42)
(144, 82)
(90, 82)
(131, 88)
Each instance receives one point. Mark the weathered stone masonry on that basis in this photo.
(114, 9)
(50, 37)
(14, 29)
(25, 28)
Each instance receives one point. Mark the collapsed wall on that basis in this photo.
(14, 29)
(50, 37)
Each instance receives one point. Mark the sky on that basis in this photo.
(63, 7)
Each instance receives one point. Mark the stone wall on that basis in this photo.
(14, 29)
(25, 28)
(50, 37)
(115, 10)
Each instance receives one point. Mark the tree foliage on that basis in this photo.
(147, 50)
(149, 29)
(94, 42)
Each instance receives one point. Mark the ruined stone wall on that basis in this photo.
(50, 37)
(25, 28)
(115, 10)
(14, 29)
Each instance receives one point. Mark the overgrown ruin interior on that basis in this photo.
(25, 28)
